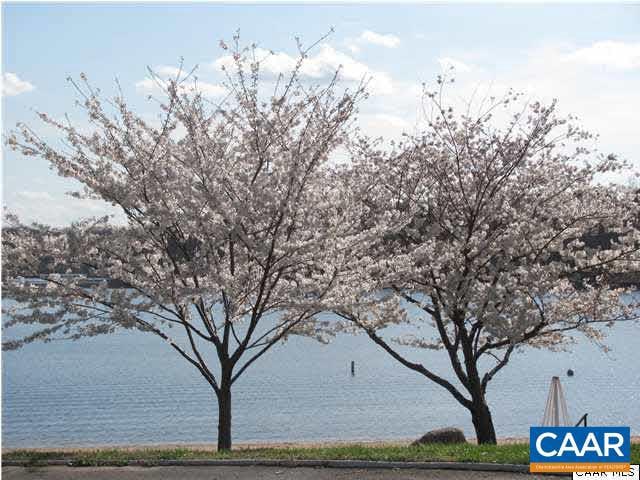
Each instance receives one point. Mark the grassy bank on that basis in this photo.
(517, 453)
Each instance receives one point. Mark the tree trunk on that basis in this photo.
(483, 423)
(224, 417)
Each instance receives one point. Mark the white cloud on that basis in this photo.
(34, 196)
(12, 85)
(148, 86)
(57, 209)
(273, 63)
(166, 72)
(210, 89)
(386, 125)
(388, 40)
(322, 65)
(353, 47)
(605, 99)
(618, 55)
(367, 37)
(451, 63)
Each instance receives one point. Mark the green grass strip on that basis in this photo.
(517, 453)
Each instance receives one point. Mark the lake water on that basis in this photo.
(131, 388)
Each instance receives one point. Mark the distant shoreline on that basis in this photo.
(250, 445)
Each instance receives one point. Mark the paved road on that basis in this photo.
(246, 473)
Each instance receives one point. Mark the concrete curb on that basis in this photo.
(364, 464)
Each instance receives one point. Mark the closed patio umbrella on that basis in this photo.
(556, 413)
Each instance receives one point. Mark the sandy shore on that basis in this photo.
(212, 446)
(254, 445)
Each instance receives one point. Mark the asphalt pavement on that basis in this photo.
(247, 473)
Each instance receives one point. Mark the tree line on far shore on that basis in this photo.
(49, 264)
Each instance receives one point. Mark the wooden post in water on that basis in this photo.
(353, 368)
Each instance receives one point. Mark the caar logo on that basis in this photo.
(579, 449)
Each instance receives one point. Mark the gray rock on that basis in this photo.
(442, 435)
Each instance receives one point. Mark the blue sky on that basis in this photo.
(588, 56)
